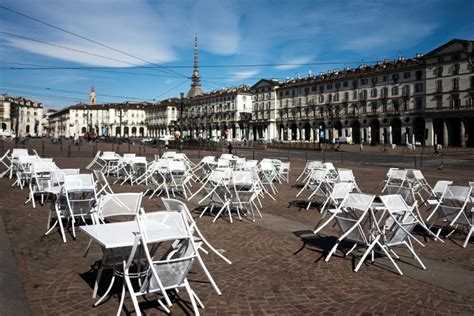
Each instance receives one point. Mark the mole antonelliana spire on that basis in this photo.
(196, 88)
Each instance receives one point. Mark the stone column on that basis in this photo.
(390, 135)
(445, 134)
(430, 136)
(381, 135)
(369, 135)
(316, 138)
(462, 129)
(361, 131)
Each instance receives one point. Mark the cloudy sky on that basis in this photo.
(147, 46)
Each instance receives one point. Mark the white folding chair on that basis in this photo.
(111, 206)
(244, 193)
(451, 211)
(173, 205)
(338, 194)
(347, 176)
(96, 161)
(40, 180)
(396, 177)
(170, 271)
(6, 162)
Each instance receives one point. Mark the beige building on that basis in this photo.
(110, 119)
(426, 100)
(161, 118)
(21, 115)
(223, 113)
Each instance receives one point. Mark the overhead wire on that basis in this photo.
(71, 91)
(89, 40)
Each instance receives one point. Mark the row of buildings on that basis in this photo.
(427, 99)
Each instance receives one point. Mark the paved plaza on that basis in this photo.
(277, 262)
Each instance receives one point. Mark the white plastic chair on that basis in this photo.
(96, 161)
(111, 206)
(6, 162)
(452, 212)
(168, 272)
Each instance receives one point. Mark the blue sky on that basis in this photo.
(230, 33)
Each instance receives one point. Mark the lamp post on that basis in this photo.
(16, 113)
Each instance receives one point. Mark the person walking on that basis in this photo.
(229, 147)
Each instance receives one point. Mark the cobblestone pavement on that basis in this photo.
(271, 272)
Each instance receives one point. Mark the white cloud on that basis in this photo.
(168, 81)
(294, 63)
(242, 75)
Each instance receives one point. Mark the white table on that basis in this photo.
(122, 235)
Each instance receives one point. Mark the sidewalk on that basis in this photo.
(12, 295)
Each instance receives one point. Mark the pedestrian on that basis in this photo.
(229, 147)
(166, 143)
(361, 147)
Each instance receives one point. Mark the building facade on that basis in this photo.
(21, 115)
(161, 118)
(424, 100)
(110, 119)
(223, 113)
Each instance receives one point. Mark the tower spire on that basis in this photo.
(196, 88)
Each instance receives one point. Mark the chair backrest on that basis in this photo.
(358, 201)
(242, 178)
(398, 174)
(119, 204)
(318, 175)
(43, 166)
(223, 162)
(108, 154)
(208, 159)
(341, 190)
(226, 156)
(456, 193)
(405, 192)
(177, 166)
(440, 186)
(168, 154)
(402, 220)
(129, 155)
(18, 152)
(173, 205)
(78, 182)
(346, 175)
(70, 171)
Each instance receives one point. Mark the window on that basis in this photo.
(373, 93)
(314, 88)
(345, 84)
(338, 85)
(406, 90)
(455, 84)
(374, 108)
(456, 57)
(354, 95)
(374, 80)
(418, 103)
(354, 83)
(336, 97)
(396, 105)
(471, 80)
(384, 78)
(363, 81)
(456, 102)
(439, 71)
(321, 88)
(440, 59)
(456, 69)
(407, 75)
(439, 101)
(329, 86)
(346, 94)
(363, 95)
(419, 74)
(384, 93)
(419, 87)
(395, 77)
(395, 91)
(306, 90)
(321, 98)
(287, 92)
(439, 86)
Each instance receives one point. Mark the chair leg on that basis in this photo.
(191, 297)
(468, 237)
(415, 255)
